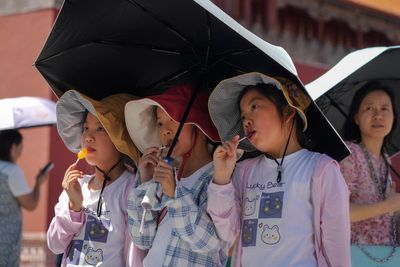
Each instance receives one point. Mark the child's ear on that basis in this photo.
(288, 113)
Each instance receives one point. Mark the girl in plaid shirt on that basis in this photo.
(176, 231)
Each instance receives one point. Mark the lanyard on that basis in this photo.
(106, 179)
(379, 185)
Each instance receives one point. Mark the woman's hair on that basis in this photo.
(351, 129)
(276, 96)
(7, 139)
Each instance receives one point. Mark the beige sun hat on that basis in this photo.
(224, 110)
(71, 109)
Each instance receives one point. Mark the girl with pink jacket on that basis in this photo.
(289, 205)
(90, 224)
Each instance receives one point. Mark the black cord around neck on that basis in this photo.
(279, 168)
(106, 179)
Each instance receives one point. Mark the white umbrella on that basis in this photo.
(334, 90)
(26, 112)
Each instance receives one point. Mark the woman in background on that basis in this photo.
(373, 196)
(14, 194)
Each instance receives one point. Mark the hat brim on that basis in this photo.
(224, 105)
(142, 124)
(71, 110)
(225, 114)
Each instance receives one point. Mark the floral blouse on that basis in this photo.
(355, 169)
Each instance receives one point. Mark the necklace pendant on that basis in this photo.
(279, 168)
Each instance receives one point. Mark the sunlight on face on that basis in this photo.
(101, 150)
(375, 115)
(167, 128)
(261, 119)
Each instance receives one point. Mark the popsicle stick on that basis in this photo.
(243, 138)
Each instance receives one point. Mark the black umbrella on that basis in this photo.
(334, 90)
(102, 47)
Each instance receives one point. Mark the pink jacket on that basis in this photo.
(67, 223)
(330, 198)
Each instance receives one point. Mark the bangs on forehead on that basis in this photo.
(85, 116)
(255, 98)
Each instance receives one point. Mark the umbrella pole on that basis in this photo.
(183, 120)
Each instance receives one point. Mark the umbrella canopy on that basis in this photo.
(26, 112)
(334, 90)
(101, 47)
(141, 47)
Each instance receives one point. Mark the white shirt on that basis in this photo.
(101, 241)
(277, 217)
(16, 178)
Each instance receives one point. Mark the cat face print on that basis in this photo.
(270, 235)
(250, 206)
(93, 257)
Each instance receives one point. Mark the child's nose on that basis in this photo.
(166, 131)
(88, 138)
(246, 123)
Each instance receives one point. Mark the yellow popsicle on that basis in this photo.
(82, 154)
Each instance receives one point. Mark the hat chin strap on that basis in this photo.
(187, 155)
(279, 168)
(106, 179)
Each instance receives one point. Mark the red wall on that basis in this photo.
(396, 166)
(308, 73)
(22, 37)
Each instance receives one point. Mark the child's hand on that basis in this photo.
(164, 174)
(73, 188)
(224, 161)
(148, 162)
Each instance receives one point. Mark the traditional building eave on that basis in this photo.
(365, 19)
(13, 7)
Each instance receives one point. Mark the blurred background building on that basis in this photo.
(316, 33)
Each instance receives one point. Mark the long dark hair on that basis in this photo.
(7, 139)
(351, 129)
(277, 98)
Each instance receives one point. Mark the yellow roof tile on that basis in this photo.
(391, 7)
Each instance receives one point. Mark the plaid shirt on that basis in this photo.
(194, 241)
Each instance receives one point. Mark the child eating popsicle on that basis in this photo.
(89, 226)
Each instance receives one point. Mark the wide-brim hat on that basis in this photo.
(71, 110)
(140, 115)
(225, 113)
